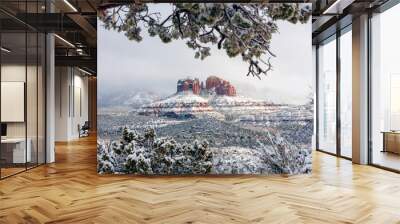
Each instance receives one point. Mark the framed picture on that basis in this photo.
(205, 88)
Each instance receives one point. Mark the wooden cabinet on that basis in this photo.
(391, 142)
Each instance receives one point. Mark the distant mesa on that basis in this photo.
(220, 86)
(212, 97)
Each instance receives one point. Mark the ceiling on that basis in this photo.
(74, 23)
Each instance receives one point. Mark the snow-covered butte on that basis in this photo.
(188, 103)
(182, 102)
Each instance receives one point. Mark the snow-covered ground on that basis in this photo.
(237, 160)
(183, 102)
(239, 104)
(246, 136)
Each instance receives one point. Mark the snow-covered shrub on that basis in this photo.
(106, 162)
(147, 154)
(238, 160)
(138, 163)
(105, 167)
(286, 158)
(202, 156)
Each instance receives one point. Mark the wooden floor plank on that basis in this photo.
(70, 191)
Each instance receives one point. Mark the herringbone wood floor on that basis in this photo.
(70, 191)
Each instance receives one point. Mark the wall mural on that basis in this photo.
(196, 88)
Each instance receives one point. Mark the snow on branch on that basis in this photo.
(239, 29)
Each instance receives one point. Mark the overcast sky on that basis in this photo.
(151, 65)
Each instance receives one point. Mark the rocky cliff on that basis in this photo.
(213, 84)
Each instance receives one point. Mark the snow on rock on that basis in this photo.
(240, 104)
(182, 102)
(187, 102)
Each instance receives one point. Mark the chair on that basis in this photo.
(84, 129)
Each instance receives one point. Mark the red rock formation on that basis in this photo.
(189, 84)
(220, 86)
(212, 82)
(196, 86)
(231, 91)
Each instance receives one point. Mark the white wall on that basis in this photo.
(80, 104)
(62, 82)
(71, 102)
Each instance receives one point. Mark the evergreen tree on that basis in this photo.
(105, 161)
(125, 135)
(240, 29)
